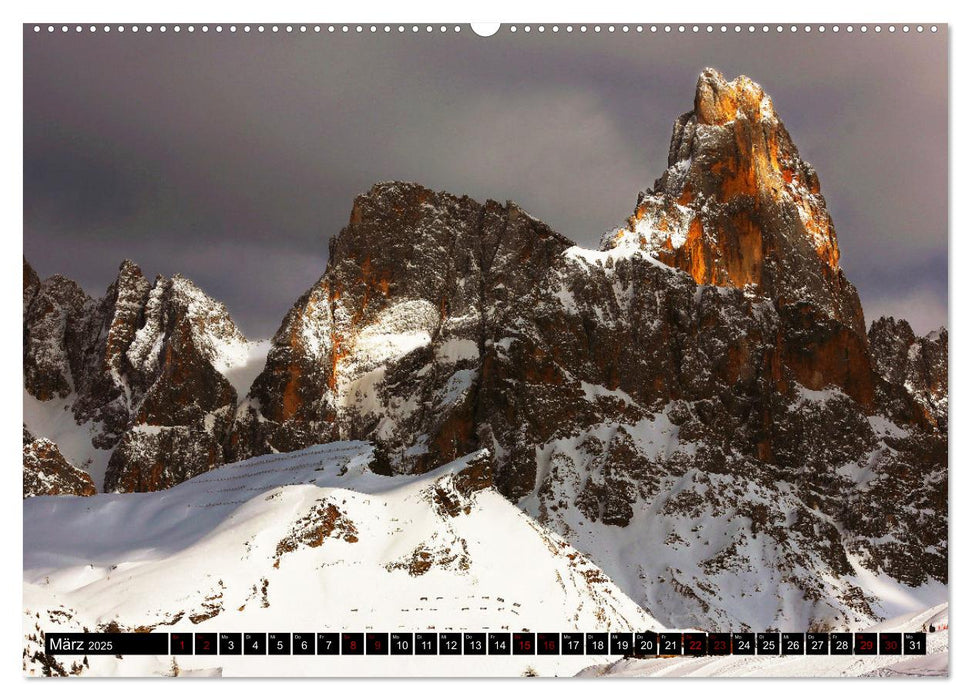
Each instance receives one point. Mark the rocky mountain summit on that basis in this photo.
(737, 205)
(392, 342)
(143, 365)
(697, 405)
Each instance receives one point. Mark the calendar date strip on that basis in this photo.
(630, 644)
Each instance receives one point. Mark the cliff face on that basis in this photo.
(97, 341)
(141, 367)
(182, 408)
(388, 344)
(738, 207)
(49, 308)
(915, 365)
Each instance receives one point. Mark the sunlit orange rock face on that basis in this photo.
(738, 207)
(736, 192)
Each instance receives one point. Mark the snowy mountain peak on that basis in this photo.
(412, 277)
(129, 268)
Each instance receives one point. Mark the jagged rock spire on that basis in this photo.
(738, 207)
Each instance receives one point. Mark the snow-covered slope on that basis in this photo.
(313, 541)
(723, 549)
(935, 663)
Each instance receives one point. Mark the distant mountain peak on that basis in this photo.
(129, 267)
(143, 369)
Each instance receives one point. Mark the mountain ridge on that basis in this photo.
(140, 367)
(741, 435)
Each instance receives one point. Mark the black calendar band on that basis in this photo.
(629, 644)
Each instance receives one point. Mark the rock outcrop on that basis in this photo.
(389, 344)
(50, 307)
(738, 207)
(918, 365)
(48, 473)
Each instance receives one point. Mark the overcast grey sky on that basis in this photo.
(233, 158)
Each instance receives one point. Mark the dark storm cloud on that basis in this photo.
(233, 158)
